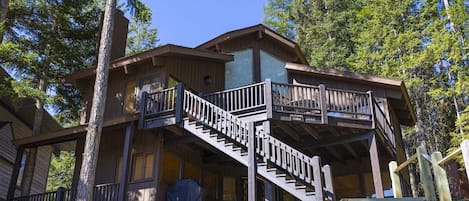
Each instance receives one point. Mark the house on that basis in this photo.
(16, 122)
(243, 105)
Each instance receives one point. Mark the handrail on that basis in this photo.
(383, 123)
(159, 102)
(239, 99)
(301, 99)
(346, 101)
(102, 192)
(270, 148)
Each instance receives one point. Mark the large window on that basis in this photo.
(272, 68)
(142, 166)
(239, 72)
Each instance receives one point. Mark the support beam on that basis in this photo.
(126, 156)
(15, 172)
(158, 163)
(336, 154)
(339, 140)
(352, 151)
(310, 131)
(252, 166)
(375, 166)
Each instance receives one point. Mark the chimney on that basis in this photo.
(119, 36)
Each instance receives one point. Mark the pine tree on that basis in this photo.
(141, 37)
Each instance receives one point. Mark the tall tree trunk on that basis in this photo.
(93, 136)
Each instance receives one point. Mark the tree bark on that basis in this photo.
(93, 136)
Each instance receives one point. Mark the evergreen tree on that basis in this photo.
(141, 37)
(61, 171)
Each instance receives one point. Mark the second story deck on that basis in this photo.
(323, 113)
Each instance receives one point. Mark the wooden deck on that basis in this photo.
(279, 101)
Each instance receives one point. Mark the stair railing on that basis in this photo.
(269, 148)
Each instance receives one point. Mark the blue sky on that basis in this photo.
(192, 22)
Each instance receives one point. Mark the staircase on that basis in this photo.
(298, 174)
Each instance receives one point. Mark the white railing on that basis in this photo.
(271, 149)
(239, 99)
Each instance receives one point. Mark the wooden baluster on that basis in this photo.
(283, 156)
(287, 158)
(266, 147)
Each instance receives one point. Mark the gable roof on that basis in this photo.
(390, 83)
(23, 109)
(165, 50)
(261, 29)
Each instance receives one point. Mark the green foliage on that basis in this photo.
(141, 37)
(47, 40)
(61, 171)
(409, 39)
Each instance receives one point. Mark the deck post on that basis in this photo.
(372, 109)
(395, 180)
(179, 100)
(328, 184)
(60, 194)
(126, 155)
(375, 166)
(441, 180)
(252, 166)
(142, 108)
(268, 98)
(465, 155)
(15, 172)
(323, 103)
(425, 175)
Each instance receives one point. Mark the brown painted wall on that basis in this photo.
(192, 73)
(188, 70)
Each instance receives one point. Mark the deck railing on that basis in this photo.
(102, 192)
(382, 123)
(298, 99)
(348, 104)
(249, 97)
(295, 99)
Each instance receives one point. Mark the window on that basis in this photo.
(210, 184)
(272, 68)
(21, 170)
(130, 97)
(142, 166)
(229, 188)
(239, 72)
(150, 84)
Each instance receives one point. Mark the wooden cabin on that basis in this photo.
(16, 122)
(241, 115)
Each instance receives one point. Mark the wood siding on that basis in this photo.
(7, 158)
(188, 70)
(192, 73)
(8, 154)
